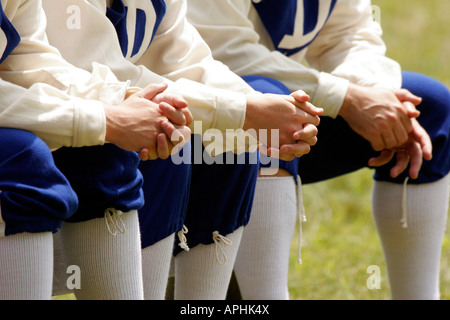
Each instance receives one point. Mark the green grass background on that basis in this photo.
(339, 239)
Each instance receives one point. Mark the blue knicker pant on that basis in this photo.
(221, 195)
(103, 177)
(166, 192)
(35, 196)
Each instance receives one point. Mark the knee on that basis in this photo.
(29, 178)
(23, 151)
(16, 141)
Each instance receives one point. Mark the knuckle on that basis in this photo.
(403, 140)
(383, 124)
(377, 146)
(372, 131)
(392, 117)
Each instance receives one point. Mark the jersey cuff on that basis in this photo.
(330, 94)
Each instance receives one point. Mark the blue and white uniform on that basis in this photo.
(340, 41)
(435, 116)
(254, 42)
(155, 44)
(176, 199)
(166, 184)
(34, 195)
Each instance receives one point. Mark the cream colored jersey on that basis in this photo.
(315, 46)
(44, 94)
(151, 42)
(147, 42)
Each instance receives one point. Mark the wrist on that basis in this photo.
(349, 100)
(110, 123)
(249, 112)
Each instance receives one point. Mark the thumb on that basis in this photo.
(300, 96)
(405, 95)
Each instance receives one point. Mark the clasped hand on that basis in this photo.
(292, 115)
(149, 121)
(388, 120)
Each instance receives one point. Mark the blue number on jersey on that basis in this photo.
(9, 37)
(293, 24)
(119, 12)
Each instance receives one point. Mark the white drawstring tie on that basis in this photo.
(114, 222)
(183, 240)
(404, 219)
(217, 239)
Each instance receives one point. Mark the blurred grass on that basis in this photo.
(339, 239)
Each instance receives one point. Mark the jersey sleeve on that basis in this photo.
(54, 116)
(43, 93)
(350, 46)
(237, 38)
(215, 94)
(177, 56)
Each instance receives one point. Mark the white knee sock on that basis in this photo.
(156, 261)
(262, 263)
(26, 266)
(204, 272)
(412, 252)
(60, 272)
(108, 253)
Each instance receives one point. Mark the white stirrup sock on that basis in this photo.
(412, 235)
(108, 254)
(156, 261)
(204, 272)
(262, 263)
(26, 266)
(61, 270)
